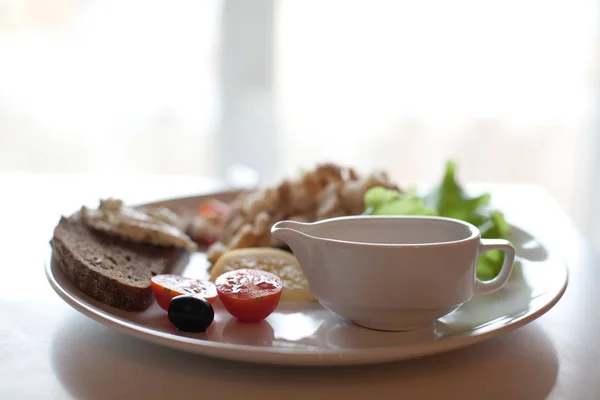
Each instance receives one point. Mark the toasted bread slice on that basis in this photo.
(110, 270)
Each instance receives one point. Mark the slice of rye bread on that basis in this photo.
(111, 270)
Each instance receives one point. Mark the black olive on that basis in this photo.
(191, 313)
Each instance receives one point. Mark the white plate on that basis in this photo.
(307, 334)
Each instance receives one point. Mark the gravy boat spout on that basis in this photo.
(295, 235)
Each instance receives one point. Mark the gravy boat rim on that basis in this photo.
(474, 231)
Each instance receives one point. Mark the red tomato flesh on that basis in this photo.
(249, 295)
(167, 286)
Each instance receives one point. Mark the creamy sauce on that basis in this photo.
(156, 226)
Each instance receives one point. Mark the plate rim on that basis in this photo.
(289, 356)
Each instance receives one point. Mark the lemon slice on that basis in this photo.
(279, 262)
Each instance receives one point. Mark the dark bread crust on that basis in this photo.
(110, 270)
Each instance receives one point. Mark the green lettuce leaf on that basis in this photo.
(450, 200)
(382, 201)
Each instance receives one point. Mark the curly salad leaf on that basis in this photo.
(382, 201)
(447, 200)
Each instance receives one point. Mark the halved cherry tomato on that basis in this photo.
(167, 286)
(250, 295)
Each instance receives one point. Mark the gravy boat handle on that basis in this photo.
(484, 287)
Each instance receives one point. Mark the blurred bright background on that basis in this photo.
(509, 89)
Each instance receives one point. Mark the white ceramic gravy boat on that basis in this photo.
(392, 273)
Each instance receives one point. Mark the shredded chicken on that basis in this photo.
(325, 192)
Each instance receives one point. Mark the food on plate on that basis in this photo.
(448, 199)
(168, 286)
(279, 262)
(191, 313)
(206, 227)
(156, 225)
(382, 201)
(111, 270)
(250, 295)
(324, 192)
(112, 252)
